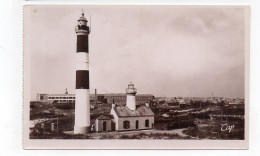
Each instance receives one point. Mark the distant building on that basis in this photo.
(236, 102)
(59, 98)
(118, 98)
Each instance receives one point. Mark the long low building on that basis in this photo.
(119, 98)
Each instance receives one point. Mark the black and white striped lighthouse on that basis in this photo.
(82, 101)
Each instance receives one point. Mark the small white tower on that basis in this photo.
(66, 91)
(130, 96)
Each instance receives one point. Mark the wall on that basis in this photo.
(132, 120)
(41, 97)
(130, 101)
(115, 120)
(99, 125)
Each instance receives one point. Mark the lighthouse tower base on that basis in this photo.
(81, 129)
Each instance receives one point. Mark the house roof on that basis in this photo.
(104, 117)
(124, 111)
(61, 94)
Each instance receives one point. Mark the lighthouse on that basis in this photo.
(130, 96)
(82, 101)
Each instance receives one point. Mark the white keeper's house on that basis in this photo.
(126, 117)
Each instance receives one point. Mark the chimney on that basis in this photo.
(66, 91)
(147, 104)
(95, 96)
(113, 105)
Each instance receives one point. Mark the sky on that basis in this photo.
(164, 50)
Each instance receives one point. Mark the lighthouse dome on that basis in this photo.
(82, 18)
(82, 27)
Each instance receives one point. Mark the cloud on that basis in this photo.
(164, 50)
(208, 20)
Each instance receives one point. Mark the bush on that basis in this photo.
(65, 106)
(201, 115)
(153, 136)
(234, 111)
(56, 135)
(106, 137)
(181, 124)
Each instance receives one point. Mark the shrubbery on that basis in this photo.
(55, 135)
(234, 111)
(181, 124)
(153, 136)
(65, 106)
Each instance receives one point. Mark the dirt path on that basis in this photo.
(179, 132)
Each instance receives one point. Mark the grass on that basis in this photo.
(65, 113)
(153, 136)
(55, 135)
(214, 131)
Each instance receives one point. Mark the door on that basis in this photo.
(104, 126)
(136, 124)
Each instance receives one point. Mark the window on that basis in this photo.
(104, 126)
(136, 124)
(147, 123)
(126, 124)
